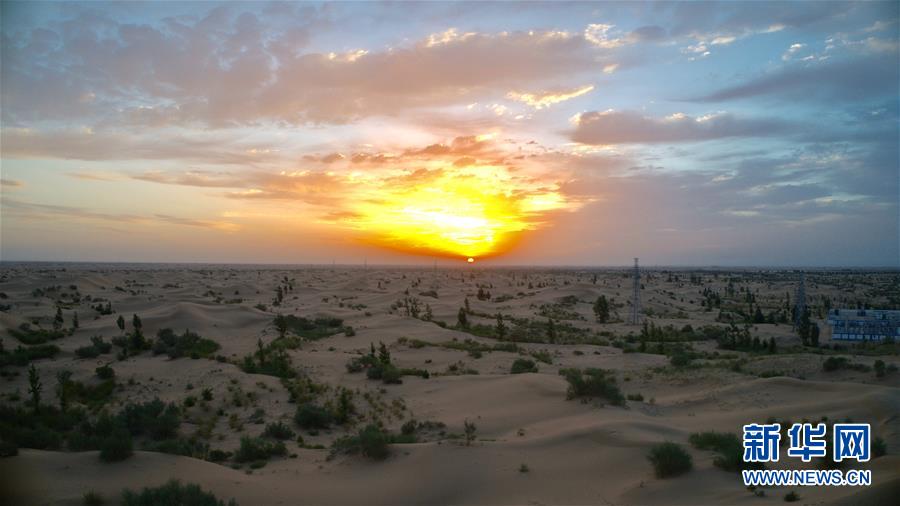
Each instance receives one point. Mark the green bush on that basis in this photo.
(390, 374)
(28, 335)
(592, 383)
(154, 419)
(105, 372)
(92, 498)
(729, 448)
(680, 359)
(312, 329)
(98, 347)
(23, 355)
(173, 493)
(270, 359)
(253, 449)
(188, 344)
(278, 431)
(879, 447)
(8, 449)
(791, 497)
(523, 365)
(312, 416)
(371, 442)
(669, 459)
(117, 446)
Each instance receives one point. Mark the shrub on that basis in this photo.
(312, 329)
(172, 492)
(879, 447)
(270, 359)
(312, 416)
(28, 335)
(680, 359)
(727, 445)
(879, 368)
(834, 363)
(791, 497)
(390, 374)
(98, 347)
(593, 383)
(92, 498)
(279, 431)
(218, 455)
(8, 449)
(153, 418)
(669, 459)
(470, 431)
(116, 447)
(253, 449)
(23, 355)
(187, 344)
(105, 372)
(371, 442)
(523, 365)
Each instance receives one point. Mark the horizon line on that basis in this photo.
(465, 265)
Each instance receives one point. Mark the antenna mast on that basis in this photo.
(636, 296)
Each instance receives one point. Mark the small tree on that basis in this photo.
(120, 322)
(551, 331)
(34, 387)
(428, 314)
(58, 319)
(879, 368)
(136, 323)
(500, 328)
(75, 320)
(470, 431)
(601, 309)
(63, 382)
(384, 356)
(461, 318)
(281, 325)
(814, 334)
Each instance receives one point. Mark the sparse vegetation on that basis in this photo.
(523, 365)
(669, 460)
(592, 382)
(188, 344)
(173, 493)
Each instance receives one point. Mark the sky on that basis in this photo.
(745, 134)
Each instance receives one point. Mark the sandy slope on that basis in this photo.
(577, 453)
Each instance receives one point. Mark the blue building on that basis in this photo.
(864, 324)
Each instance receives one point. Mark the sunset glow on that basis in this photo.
(580, 134)
(477, 211)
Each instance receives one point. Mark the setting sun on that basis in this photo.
(475, 211)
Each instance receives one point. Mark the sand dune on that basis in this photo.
(575, 452)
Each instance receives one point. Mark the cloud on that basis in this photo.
(545, 99)
(91, 176)
(628, 127)
(860, 78)
(224, 69)
(792, 50)
(108, 144)
(31, 210)
(11, 183)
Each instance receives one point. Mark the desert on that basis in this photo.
(530, 441)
